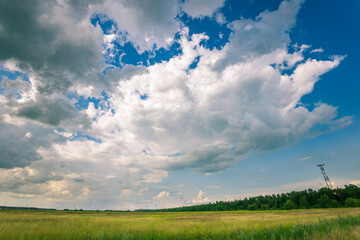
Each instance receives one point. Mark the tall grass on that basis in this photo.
(297, 224)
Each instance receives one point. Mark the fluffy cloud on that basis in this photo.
(243, 98)
(268, 32)
(162, 195)
(201, 8)
(16, 149)
(215, 117)
(147, 23)
(48, 111)
(355, 182)
(48, 40)
(200, 198)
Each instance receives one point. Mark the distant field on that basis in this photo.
(296, 224)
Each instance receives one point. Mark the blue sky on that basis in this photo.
(118, 105)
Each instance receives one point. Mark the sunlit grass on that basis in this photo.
(295, 224)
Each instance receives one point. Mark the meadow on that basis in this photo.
(341, 223)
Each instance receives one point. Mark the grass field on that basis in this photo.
(296, 224)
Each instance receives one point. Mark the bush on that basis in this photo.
(265, 206)
(304, 202)
(352, 202)
(324, 201)
(252, 207)
(288, 205)
(334, 204)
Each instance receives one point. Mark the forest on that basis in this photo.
(349, 196)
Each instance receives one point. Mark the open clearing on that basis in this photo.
(295, 224)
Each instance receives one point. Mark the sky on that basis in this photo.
(117, 104)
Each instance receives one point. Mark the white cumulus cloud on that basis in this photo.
(201, 8)
(201, 198)
(162, 195)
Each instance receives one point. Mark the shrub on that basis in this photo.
(334, 204)
(252, 207)
(288, 205)
(304, 202)
(265, 206)
(352, 202)
(324, 201)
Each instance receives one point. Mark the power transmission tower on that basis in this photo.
(327, 180)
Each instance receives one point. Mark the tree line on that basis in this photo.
(349, 196)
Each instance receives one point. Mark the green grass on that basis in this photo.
(296, 224)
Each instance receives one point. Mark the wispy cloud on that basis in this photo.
(305, 158)
(214, 186)
(319, 50)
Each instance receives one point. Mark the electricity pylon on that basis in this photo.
(327, 180)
